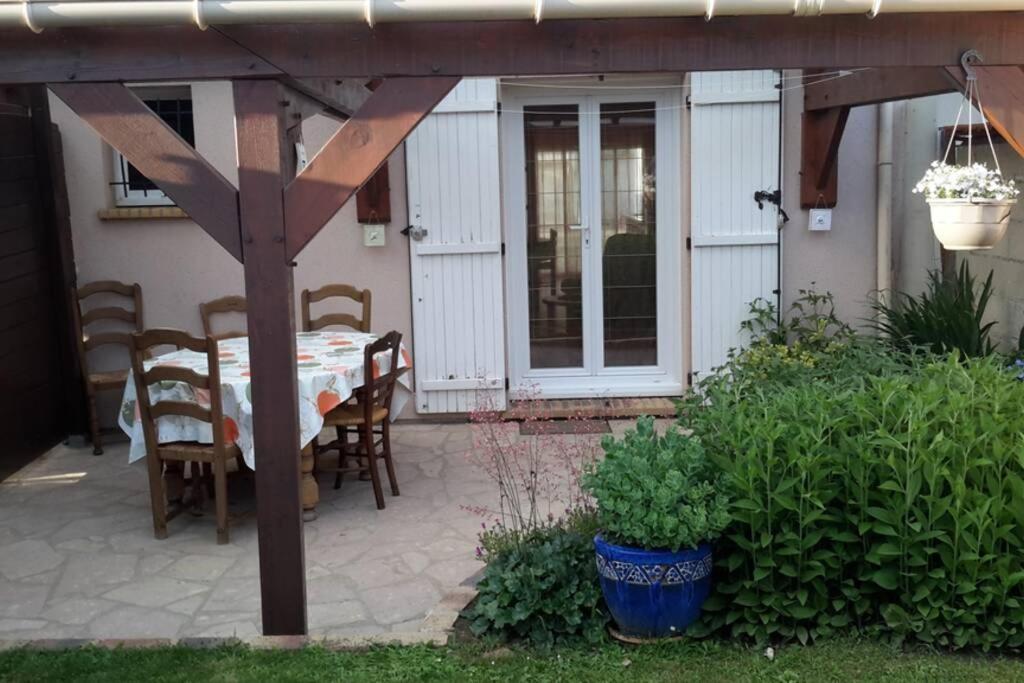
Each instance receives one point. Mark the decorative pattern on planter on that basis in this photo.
(649, 574)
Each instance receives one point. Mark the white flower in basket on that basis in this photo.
(970, 205)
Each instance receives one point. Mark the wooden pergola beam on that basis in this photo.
(1002, 97)
(264, 157)
(356, 151)
(129, 126)
(873, 86)
(819, 176)
(498, 48)
(336, 97)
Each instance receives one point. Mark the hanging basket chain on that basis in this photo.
(972, 95)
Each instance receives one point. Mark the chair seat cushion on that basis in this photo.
(347, 415)
(108, 380)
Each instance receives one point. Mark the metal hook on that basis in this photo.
(968, 61)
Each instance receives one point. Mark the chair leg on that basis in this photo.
(220, 484)
(342, 434)
(386, 446)
(157, 499)
(94, 427)
(366, 432)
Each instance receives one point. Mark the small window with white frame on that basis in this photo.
(173, 104)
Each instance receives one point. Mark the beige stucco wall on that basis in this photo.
(178, 265)
(841, 261)
(920, 123)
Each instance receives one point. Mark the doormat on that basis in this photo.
(592, 408)
(562, 427)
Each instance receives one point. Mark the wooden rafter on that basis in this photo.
(1002, 97)
(145, 53)
(160, 154)
(819, 176)
(356, 151)
(263, 163)
(336, 97)
(872, 86)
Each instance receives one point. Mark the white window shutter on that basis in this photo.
(457, 297)
(734, 152)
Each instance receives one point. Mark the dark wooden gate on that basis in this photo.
(40, 395)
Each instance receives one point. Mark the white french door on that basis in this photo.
(592, 229)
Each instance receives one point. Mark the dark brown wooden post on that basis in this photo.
(263, 163)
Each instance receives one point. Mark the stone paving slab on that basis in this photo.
(79, 563)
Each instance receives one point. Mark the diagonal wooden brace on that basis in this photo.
(822, 131)
(129, 126)
(1002, 97)
(356, 151)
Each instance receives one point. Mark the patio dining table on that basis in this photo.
(330, 369)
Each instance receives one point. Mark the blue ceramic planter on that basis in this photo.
(653, 593)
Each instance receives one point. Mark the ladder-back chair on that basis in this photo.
(103, 324)
(360, 296)
(215, 455)
(221, 306)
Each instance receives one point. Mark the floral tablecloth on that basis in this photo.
(330, 369)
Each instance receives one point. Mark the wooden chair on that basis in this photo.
(362, 296)
(215, 455)
(106, 317)
(223, 305)
(372, 410)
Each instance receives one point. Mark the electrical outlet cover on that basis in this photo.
(819, 220)
(373, 236)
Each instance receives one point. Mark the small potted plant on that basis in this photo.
(659, 504)
(970, 205)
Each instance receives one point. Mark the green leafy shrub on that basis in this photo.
(544, 590)
(892, 503)
(810, 322)
(948, 317)
(657, 492)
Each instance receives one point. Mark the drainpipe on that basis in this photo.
(38, 15)
(883, 215)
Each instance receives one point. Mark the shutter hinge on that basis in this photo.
(689, 244)
(507, 384)
(689, 104)
(497, 107)
(689, 379)
(502, 248)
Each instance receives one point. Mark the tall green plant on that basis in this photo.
(948, 317)
(894, 504)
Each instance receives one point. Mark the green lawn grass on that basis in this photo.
(845, 660)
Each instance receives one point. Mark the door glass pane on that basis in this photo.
(628, 234)
(553, 238)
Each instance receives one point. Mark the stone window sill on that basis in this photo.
(135, 213)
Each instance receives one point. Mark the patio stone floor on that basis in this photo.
(78, 558)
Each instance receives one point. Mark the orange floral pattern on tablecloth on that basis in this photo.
(330, 369)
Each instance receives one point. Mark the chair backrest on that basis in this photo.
(106, 315)
(362, 296)
(223, 305)
(207, 385)
(380, 375)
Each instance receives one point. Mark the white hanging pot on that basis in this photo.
(968, 224)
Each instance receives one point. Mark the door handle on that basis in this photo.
(586, 233)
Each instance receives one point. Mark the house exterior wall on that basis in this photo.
(178, 265)
(841, 261)
(921, 121)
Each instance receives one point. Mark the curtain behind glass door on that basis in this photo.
(628, 234)
(554, 253)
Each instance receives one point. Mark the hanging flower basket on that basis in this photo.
(964, 224)
(970, 205)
